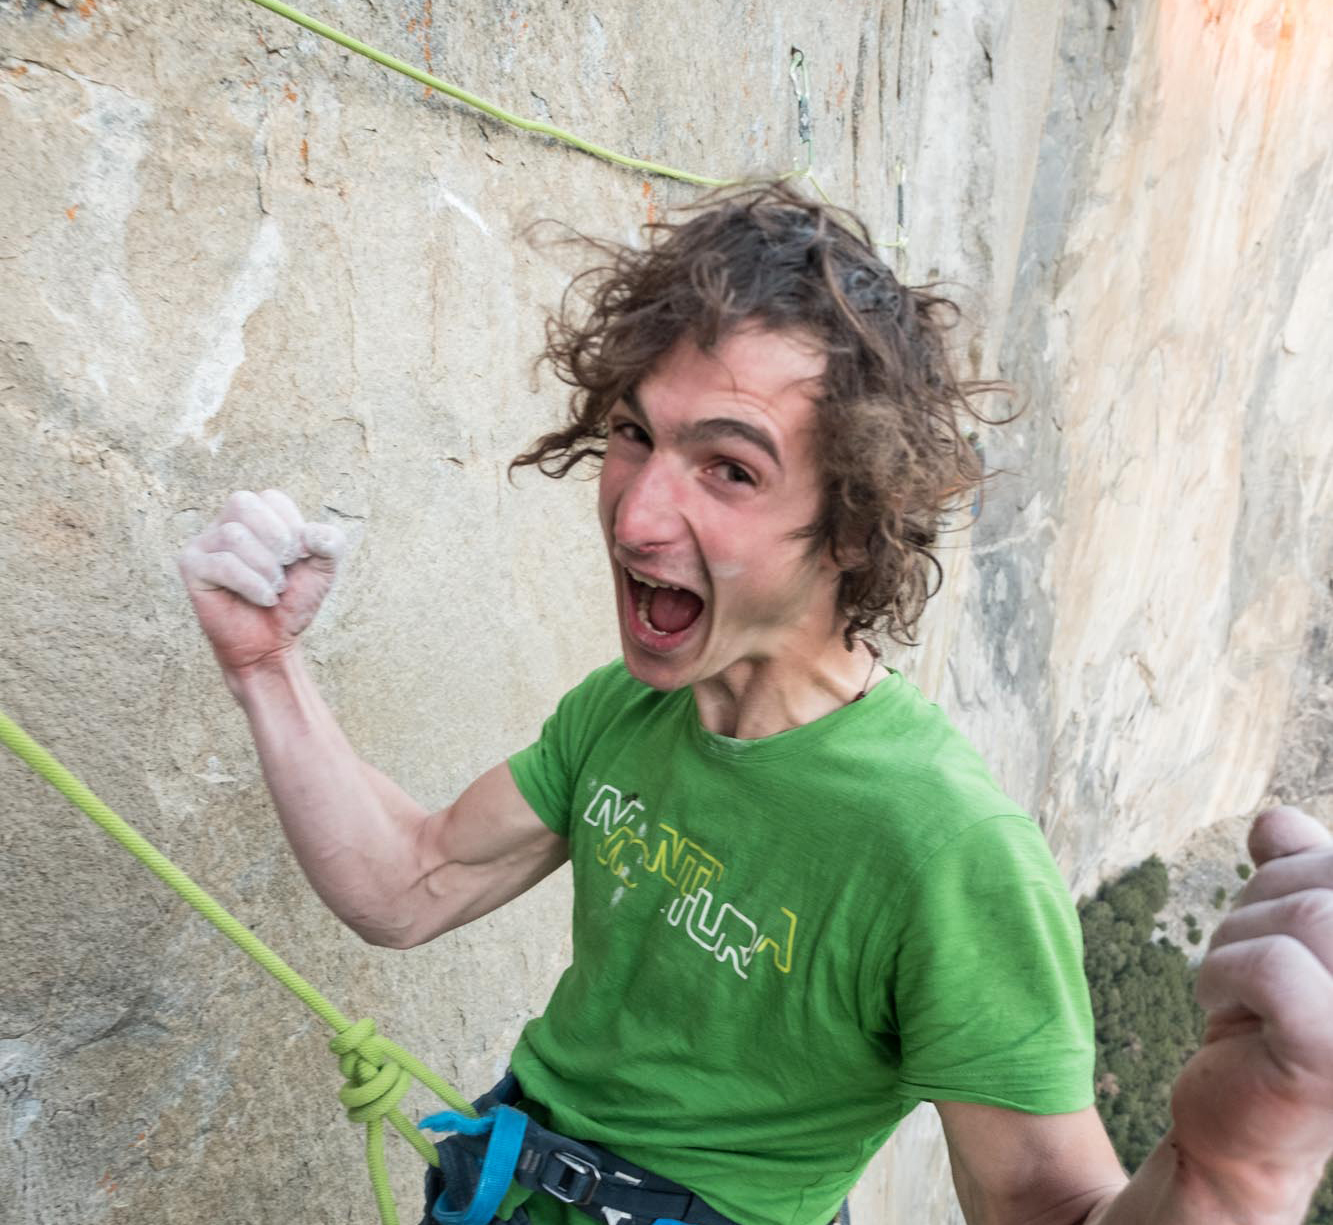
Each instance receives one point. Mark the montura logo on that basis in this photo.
(721, 929)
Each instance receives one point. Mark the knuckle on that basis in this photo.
(1263, 884)
(1225, 932)
(234, 534)
(1312, 909)
(1273, 959)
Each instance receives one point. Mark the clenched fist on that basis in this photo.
(1258, 1097)
(257, 575)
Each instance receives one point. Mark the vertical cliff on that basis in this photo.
(233, 255)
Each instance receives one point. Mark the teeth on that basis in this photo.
(648, 582)
(644, 614)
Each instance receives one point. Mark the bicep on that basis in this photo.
(1014, 1168)
(483, 850)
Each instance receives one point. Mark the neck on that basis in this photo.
(761, 697)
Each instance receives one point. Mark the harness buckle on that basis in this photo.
(576, 1183)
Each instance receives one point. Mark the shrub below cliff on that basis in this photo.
(1147, 1023)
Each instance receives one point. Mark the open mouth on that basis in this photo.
(661, 611)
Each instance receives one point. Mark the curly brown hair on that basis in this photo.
(894, 459)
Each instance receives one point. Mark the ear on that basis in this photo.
(845, 555)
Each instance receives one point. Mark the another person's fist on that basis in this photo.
(258, 574)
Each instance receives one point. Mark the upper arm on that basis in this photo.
(483, 850)
(1013, 1168)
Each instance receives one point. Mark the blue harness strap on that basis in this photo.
(505, 1126)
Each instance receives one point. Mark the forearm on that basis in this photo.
(354, 832)
(1170, 1188)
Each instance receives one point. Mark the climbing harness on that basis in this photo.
(494, 1162)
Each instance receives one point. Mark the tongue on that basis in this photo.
(670, 611)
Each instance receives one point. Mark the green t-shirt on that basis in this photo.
(782, 945)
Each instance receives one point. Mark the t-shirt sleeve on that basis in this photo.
(546, 772)
(988, 991)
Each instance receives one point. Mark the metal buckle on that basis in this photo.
(580, 1169)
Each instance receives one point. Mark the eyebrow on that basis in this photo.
(713, 428)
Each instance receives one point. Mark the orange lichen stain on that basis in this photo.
(19, 69)
(106, 1184)
(87, 9)
(290, 95)
(72, 211)
(427, 20)
(1273, 28)
(1279, 39)
(648, 195)
(305, 152)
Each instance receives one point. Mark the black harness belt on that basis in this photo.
(503, 1146)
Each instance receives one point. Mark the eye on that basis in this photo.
(734, 474)
(631, 432)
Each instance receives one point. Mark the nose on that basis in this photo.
(648, 511)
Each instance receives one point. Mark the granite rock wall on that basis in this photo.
(233, 255)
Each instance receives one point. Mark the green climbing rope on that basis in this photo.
(800, 76)
(480, 104)
(378, 1072)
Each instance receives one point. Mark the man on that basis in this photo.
(801, 905)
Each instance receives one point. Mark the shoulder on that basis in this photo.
(927, 782)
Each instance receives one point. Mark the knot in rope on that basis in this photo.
(375, 1081)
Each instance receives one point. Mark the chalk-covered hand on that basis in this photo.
(1254, 1107)
(257, 575)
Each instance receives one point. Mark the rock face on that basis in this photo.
(233, 255)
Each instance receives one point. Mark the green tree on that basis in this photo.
(1321, 1210)
(1147, 1023)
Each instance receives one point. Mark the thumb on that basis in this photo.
(1282, 831)
(326, 543)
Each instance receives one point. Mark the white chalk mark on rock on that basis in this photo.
(214, 773)
(444, 197)
(79, 263)
(224, 349)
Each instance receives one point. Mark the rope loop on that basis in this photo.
(378, 1072)
(375, 1081)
